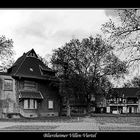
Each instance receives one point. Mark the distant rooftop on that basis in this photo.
(126, 92)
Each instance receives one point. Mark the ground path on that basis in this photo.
(91, 124)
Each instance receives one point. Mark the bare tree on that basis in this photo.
(124, 35)
(6, 53)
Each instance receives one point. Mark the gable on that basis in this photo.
(32, 54)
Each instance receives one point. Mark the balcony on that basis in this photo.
(132, 102)
(117, 104)
(121, 103)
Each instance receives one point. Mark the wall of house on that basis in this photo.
(8, 98)
(139, 105)
(49, 93)
(132, 109)
(42, 104)
(27, 112)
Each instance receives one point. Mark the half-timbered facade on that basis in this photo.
(123, 100)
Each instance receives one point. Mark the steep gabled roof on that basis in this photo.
(30, 66)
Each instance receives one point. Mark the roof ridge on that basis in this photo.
(20, 65)
(28, 52)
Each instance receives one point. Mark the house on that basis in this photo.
(29, 88)
(123, 100)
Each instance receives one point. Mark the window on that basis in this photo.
(124, 100)
(108, 101)
(46, 71)
(92, 98)
(30, 104)
(30, 85)
(32, 54)
(50, 104)
(8, 84)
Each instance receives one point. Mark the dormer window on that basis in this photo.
(32, 54)
(46, 72)
(31, 69)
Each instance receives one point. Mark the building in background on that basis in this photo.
(29, 88)
(123, 100)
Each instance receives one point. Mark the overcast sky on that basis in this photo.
(47, 29)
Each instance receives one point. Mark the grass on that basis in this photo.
(118, 129)
(120, 120)
(42, 119)
(134, 121)
(114, 115)
(100, 118)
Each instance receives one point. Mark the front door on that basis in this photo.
(130, 109)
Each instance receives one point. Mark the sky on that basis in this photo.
(47, 29)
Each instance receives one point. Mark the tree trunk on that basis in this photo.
(88, 105)
(68, 108)
(60, 109)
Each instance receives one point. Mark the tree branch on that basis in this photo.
(136, 59)
(128, 31)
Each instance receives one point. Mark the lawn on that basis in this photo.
(104, 123)
(43, 119)
(99, 118)
(120, 120)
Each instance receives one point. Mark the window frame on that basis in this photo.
(11, 85)
(108, 101)
(52, 104)
(30, 104)
(30, 85)
(124, 100)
